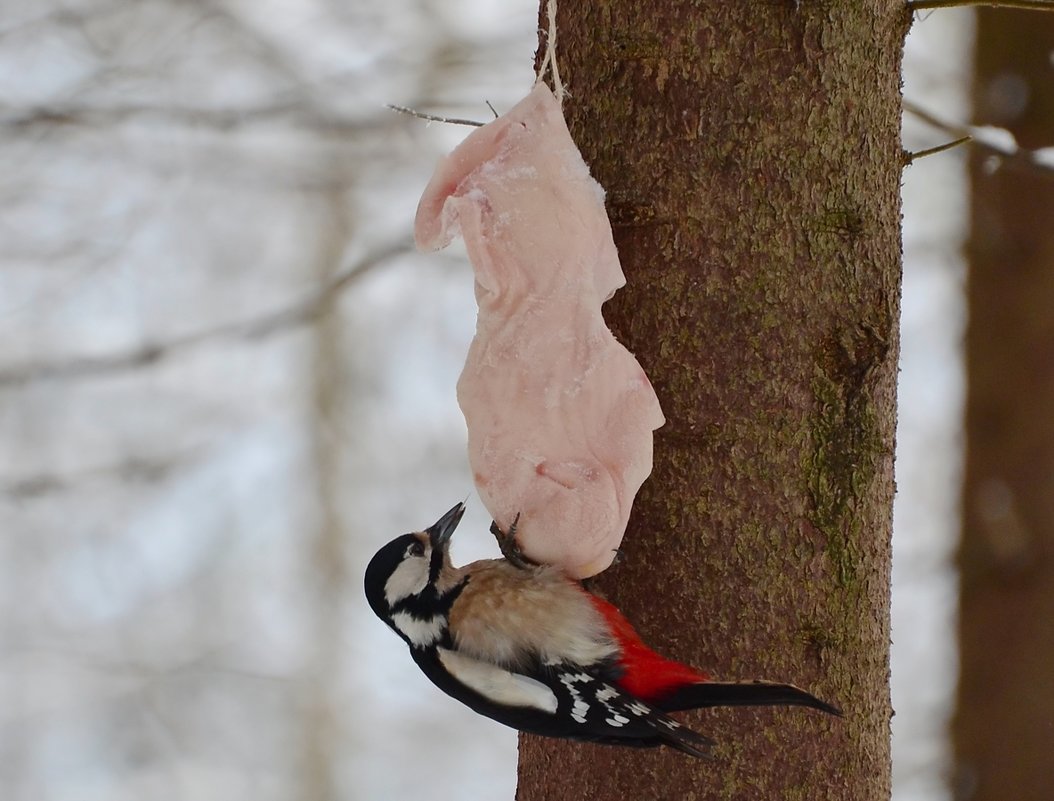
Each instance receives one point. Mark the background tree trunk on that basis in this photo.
(751, 156)
(1002, 729)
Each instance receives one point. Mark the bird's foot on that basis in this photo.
(508, 546)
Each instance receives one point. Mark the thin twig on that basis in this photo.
(303, 311)
(1019, 155)
(434, 118)
(930, 151)
(1033, 5)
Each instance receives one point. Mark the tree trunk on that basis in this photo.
(751, 155)
(1003, 729)
(329, 570)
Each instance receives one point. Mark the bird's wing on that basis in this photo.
(556, 701)
(609, 714)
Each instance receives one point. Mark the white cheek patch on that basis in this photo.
(409, 578)
(497, 684)
(421, 633)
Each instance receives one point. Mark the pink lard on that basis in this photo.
(560, 415)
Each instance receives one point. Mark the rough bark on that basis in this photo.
(751, 154)
(1002, 730)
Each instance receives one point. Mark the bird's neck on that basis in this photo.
(424, 619)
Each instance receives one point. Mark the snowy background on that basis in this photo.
(197, 460)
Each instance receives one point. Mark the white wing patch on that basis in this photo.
(420, 632)
(497, 684)
(615, 719)
(579, 706)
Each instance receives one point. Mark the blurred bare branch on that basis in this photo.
(261, 327)
(133, 470)
(296, 112)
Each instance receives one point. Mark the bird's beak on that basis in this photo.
(440, 531)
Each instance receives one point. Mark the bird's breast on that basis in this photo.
(517, 618)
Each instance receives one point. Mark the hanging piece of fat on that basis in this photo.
(560, 415)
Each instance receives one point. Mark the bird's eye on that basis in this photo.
(417, 548)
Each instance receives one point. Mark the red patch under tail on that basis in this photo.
(648, 675)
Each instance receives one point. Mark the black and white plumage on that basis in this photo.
(531, 648)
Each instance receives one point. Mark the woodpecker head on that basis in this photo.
(410, 582)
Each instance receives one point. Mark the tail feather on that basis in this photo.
(740, 693)
(686, 741)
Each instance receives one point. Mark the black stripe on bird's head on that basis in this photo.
(402, 580)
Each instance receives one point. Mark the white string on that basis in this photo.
(550, 55)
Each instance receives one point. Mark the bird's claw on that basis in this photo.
(508, 546)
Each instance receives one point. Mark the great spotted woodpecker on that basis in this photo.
(531, 648)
